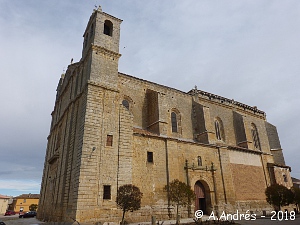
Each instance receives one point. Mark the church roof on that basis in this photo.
(208, 96)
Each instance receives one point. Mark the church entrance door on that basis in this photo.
(200, 202)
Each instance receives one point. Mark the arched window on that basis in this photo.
(218, 132)
(255, 137)
(219, 129)
(125, 103)
(199, 161)
(174, 122)
(108, 28)
(285, 178)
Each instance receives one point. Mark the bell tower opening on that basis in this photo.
(102, 30)
(101, 49)
(108, 28)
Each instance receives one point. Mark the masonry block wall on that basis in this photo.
(109, 129)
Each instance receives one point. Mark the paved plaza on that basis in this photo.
(14, 220)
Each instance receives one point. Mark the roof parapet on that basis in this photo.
(226, 101)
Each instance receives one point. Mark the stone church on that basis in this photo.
(109, 129)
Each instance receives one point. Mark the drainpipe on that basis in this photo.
(222, 175)
(119, 134)
(214, 182)
(263, 166)
(168, 178)
(188, 183)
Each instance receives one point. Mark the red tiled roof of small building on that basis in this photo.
(143, 132)
(295, 180)
(29, 196)
(4, 197)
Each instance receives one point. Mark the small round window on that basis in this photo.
(125, 103)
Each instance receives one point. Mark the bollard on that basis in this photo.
(153, 220)
(178, 219)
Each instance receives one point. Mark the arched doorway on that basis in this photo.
(200, 201)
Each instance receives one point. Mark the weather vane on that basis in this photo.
(97, 5)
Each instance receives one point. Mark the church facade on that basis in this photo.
(109, 129)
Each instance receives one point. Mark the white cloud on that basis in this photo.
(25, 186)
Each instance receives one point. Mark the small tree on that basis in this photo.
(33, 207)
(278, 195)
(180, 194)
(296, 196)
(129, 198)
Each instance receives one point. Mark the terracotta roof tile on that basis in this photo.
(4, 196)
(143, 132)
(295, 180)
(28, 196)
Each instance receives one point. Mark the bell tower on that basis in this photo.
(100, 51)
(98, 154)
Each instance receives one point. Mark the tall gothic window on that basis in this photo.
(255, 137)
(218, 132)
(174, 122)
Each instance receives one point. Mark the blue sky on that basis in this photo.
(243, 50)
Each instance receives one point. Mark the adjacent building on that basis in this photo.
(4, 201)
(296, 182)
(23, 202)
(109, 129)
